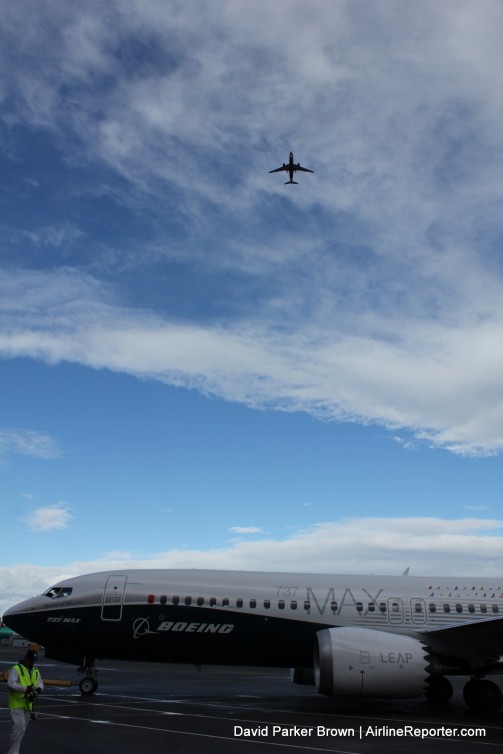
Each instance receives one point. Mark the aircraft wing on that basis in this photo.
(304, 170)
(278, 170)
(476, 637)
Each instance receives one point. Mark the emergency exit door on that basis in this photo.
(113, 598)
(395, 610)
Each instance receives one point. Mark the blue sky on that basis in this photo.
(201, 366)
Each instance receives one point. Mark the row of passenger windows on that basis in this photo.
(458, 608)
(225, 602)
(372, 607)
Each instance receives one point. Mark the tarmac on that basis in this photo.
(156, 709)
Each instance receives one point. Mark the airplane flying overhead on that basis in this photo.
(351, 636)
(291, 168)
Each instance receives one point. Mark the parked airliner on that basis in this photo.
(291, 168)
(359, 636)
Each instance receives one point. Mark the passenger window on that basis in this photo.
(281, 604)
(459, 608)
(382, 607)
(267, 604)
(447, 607)
(176, 600)
(395, 607)
(188, 600)
(213, 601)
(471, 608)
(163, 599)
(225, 602)
(359, 606)
(307, 605)
(433, 607)
(239, 602)
(293, 605)
(372, 607)
(333, 606)
(418, 608)
(496, 608)
(483, 608)
(253, 603)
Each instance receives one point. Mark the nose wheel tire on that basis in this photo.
(88, 686)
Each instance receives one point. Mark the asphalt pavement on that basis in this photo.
(156, 709)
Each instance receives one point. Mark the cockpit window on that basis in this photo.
(58, 592)
(52, 593)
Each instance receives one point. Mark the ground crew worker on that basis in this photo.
(24, 684)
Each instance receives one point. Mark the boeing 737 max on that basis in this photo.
(361, 636)
(291, 168)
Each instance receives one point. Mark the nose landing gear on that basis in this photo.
(89, 683)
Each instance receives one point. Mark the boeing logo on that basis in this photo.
(197, 628)
(141, 627)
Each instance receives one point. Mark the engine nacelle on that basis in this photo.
(369, 663)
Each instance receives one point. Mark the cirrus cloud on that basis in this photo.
(28, 442)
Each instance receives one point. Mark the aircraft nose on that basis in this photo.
(9, 615)
(8, 612)
(15, 617)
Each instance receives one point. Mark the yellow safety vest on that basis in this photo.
(18, 700)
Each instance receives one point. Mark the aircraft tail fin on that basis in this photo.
(287, 182)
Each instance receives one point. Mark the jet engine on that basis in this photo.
(370, 663)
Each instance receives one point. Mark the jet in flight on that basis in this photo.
(291, 168)
(351, 636)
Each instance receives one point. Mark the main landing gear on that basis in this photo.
(479, 694)
(482, 695)
(89, 683)
(440, 690)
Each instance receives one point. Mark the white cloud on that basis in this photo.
(28, 442)
(442, 381)
(429, 546)
(385, 304)
(246, 530)
(47, 236)
(49, 518)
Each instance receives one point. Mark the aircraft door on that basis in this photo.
(418, 610)
(113, 598)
